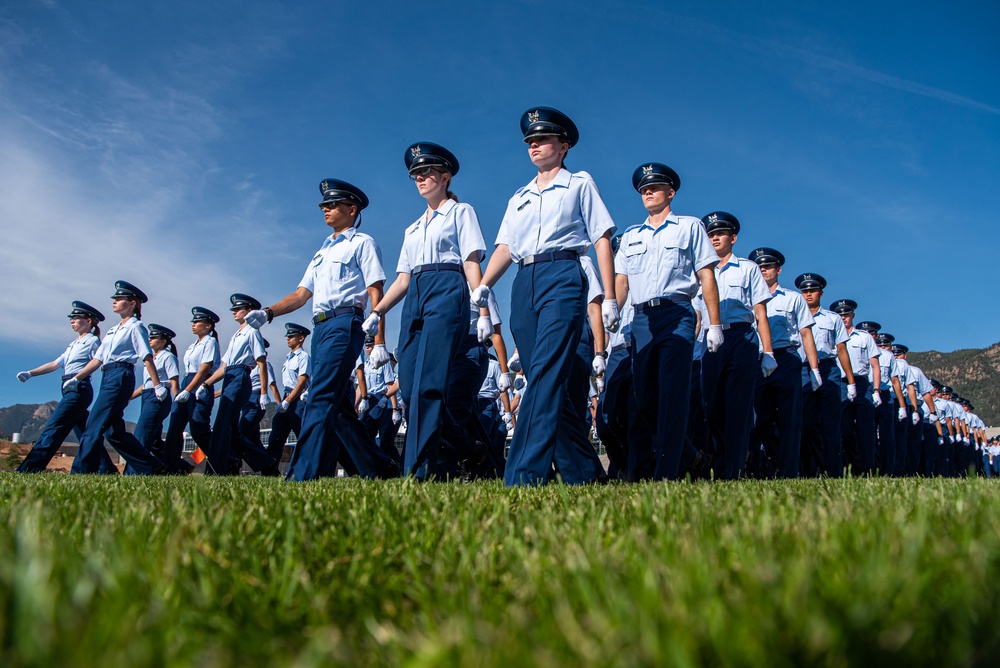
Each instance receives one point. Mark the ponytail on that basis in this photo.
(212, 332)
(95, 329)
(171, 347)
(451, 195)
(137, 311)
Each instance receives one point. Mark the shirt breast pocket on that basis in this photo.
(635, 255)
(673, 257)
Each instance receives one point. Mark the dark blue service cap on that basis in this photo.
(935, 383)
(160, 332)
(428, 154)
(946, 389)
(765, 255)
(884, 339)
(202, 314)
(85, 310)
(869, 326)
(548, 122)
(721, 221)
(292, 329)
(126, 289)
(842, 306)
(652, 173)
(810, 282)
(240, 300)
(335, 190)
(899, 349)
(369, 340)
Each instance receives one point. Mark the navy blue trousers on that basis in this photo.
(463, 435)
(886, 416)
(331, 429)
(194, 412)
(914, 447)
(613, 411)
(283, 424)
(547, 313)
(575, 458)
(932, 452)
(778, 405)
(492, 466)
(901, 432)
(149, 426)
(226, 435)
(728, 378)
(70, 415)
(434, 323)
(857, 427)
(822, 445)
(662, 348)
(106, 419)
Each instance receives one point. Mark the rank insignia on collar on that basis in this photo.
(533, 116)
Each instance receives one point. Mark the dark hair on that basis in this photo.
(137, 312)
(95, 329)
(212, 331)
(171, 347)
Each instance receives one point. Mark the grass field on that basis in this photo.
(162, 572)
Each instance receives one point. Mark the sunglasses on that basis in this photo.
(425, 172)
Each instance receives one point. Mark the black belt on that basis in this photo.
(119, 365)
(440, 266)
(738, 325)
(551, 256)
(616, 348)
(660, 301)
(340, 310)
(73, 375)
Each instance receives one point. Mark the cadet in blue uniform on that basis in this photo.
(255, 408)
(201, 360)
(438, 262)
(344, 274)
(778, 400)
(822, 405)
(660, 265)
(125, 344)
(295, 374)
(889, 412)
(245, 350)
(149, 426)
(858, 419)
(380, 391)
(548, 224)
(490, 395)
(71, 413)
(907, 421)
(729, 374)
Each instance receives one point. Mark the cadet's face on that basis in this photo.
(429, 181)
(339, 215)
(80, 325)
(547, 152)
(722, 242)
(770, 272)
(656, 196)
(122, 306)
(848, 319)
(240, 313)
(812, 297)
(294, 340)
(200, 328)
(157, 344)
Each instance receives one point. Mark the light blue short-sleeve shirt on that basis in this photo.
(166, 368)
(568, 214)
(126, 342)
(741, 286)
(787, 314)
(78, 354)
(296, 364)
(450, 235)
(861, 348)
(203, 351)
(255, 377)
(342, 270)
(245, 348)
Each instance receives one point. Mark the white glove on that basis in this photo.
(902, 413)
(852, 391)
(256, 319)
(379, 356)
(768, 364)
(514, 363)
(264, 400)
(715, 338)
(508, 420)
(609, 312)
(599, 365)
(484, 328)
(815, 379)
(480, 296)
(160, 392)
(363, 407)
(201, 392)
(370, 325)
(940, 440)
(916, 417)
(876, 397)
(182, 397)
(397, 416)
(283, 406)
(23, 376)
(519, 383)
(598, 383)
(505, 382)
(71, 384)
(934, 417)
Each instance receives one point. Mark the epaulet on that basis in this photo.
(581, 174)
(632, 227)
(520, 191)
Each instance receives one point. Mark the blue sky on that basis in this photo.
(179, 145)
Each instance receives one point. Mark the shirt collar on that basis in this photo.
(561, 181)
(444, 209)
(671, 218)
(733, 261)
(347, 234)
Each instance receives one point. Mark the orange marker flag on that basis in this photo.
(198, 456)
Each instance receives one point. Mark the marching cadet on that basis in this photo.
(548, 224)
(149, 426)
(439, 261)
(201, 360)
(254, 409)
(858, 419)
(245, 350)
(344, 274)
(822, 405)
(778, 397)
(489, 414)
(948, 414)
(71, 413)
(889, 412)
(909, 417)
(921, 442)
(295, 383)
(729, 373)
(660, 265)
(380, 391)
(125, 344)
